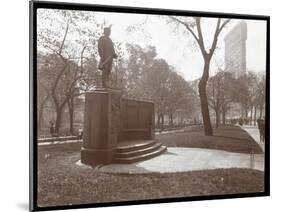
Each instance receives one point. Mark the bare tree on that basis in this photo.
(67, 74)
(43, 93)
(215, 90)
(193, 27)
(43, 96)
(259, 98)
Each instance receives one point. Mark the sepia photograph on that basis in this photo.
(136, 105)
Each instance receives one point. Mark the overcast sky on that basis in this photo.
(176, 47)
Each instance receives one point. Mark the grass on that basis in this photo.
(230, 138)
(61, 182)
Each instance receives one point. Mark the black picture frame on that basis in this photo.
(33, 154)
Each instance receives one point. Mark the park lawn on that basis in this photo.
(228, 138)
(61, 182)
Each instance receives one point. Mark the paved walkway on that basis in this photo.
(185, 129)
(59, 142)
(254, 133)
(189, 159)
(44, 143)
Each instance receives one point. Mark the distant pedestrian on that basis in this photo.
(240, 121)
(261, 126)
(80, 134)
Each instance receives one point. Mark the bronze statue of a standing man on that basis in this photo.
(107, 53)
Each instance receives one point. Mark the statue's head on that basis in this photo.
(107, 31)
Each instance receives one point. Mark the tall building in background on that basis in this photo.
(235, 49)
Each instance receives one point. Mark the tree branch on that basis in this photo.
(53, 90)
(224, 24)
(64, 37)
(200, 40)
(215, 39)
(186, 26)
(81, 58)
(218, 30)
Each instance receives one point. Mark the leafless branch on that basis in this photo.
(186, 26)
(219, 28)
(64, 37)
(200, 36)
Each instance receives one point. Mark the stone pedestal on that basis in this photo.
(100, 131)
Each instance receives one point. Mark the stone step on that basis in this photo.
(129, 146)
(129, 154)
(142, 157)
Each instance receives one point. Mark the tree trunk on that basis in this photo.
(59, 107)
(241, 110)
(158, 120)
(218, 108)
(194, 121)
(181, 122)
(223, 116)
(203, 98)
(40, 117)
(58, 120)
(255, 115)
(59, 110)
(71, 115)
(246, 113)
(171, 122)
(41, 113)
(217, 118)
(251, 117)
(162, 121)
(261, 110)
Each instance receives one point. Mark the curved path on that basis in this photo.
(189, 159)
(253, 131)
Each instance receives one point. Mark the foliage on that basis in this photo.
(220, 90)
(149, 77)
(250, 93)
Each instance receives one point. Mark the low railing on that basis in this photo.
(61, 138)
